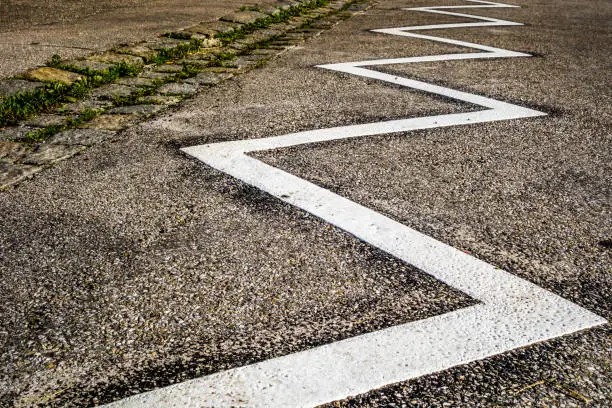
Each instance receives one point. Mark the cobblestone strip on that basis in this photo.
(51, 113)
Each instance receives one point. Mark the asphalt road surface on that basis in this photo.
(133, 266)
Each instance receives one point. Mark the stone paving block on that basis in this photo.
(86, 64)
(11, 150)
(115, 58)
(298, 21)
(280, 45)
(255, 58)
(206, 41)
(45, 120)
(13, 173)
(89, 103)
(309, 31)
(286, 4)
(136, 81)
(173, 68)
(211, 28)
(266, 33)
(48, 74)
(230, 70)
(282, 27)
(141, 50)
(198, 63)
(155, 75)
(271, 10)
(243, 17)
(83, 137)
(294, 36)
(256, 37)
(204, 55)
(110, 122)
(161, 99)
(208, 78)
(316, 13)
(110, 91)
(16, 133)
(336, 5)
(50, 153)
(242, 45)
(202, 30)
(177, 88)
(10, 87)
(241, 62)
(143, 110)
(283, 41)
(268, 52)
(229, 50)
(165, 43)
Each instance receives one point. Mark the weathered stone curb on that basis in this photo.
(164, 72)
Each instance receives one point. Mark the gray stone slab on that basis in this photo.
(10, 87)
(269, 52)
(87, 64)
(161, 99)
(47, 153)
(226, 70)
(271, 10)
(168, 68)
(268, 32)
(46, 120)
(115, 58)
(155, 75)
(143, 110)
(164, 43)
(136, 81)
(13, 173)
(286, 4)
(110, 122)
(295, 36)
(16, 133)
(177, 89)
(198, 56)
(84, 137)
(243, 17)
(11, 151)
(206, 41)
(208, 78)
(246, 42)
(211, 28)
(242, 62)
(113, 90)
(49, 74)
(199, 64)
(309, 31)
(141, 50)
(89, 103)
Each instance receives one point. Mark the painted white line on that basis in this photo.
(513, 312)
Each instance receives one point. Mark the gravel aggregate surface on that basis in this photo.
(132, 266)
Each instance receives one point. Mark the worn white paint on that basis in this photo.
(513, 312)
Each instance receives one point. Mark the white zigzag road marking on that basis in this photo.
(513, 312)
